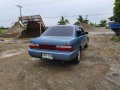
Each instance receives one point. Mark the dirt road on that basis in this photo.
(99, 68)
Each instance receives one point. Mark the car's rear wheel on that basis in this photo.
(76, 60)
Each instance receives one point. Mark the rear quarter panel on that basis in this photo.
(76, 43)
(79, 42)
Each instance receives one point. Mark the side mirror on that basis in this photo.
(86, 33)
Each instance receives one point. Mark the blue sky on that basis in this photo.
(95, 9)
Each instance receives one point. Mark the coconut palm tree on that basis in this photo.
(63, 21)
(80, 20)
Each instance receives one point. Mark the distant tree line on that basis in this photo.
(102, 23)
(80, 19)
(3, 28)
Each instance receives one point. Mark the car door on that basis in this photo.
(80, 34)
(86, 39)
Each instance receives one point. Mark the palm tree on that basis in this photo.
(63, 21)
(80, 20)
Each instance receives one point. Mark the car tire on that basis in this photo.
(76, 60)
(86, 46)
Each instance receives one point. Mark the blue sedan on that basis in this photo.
(61, 42)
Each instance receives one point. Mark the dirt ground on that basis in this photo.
(99, 68)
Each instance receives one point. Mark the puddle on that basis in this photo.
(10, 53)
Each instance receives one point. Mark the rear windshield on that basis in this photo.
(59, 31)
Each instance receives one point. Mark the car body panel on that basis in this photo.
(114, 25)
(57, 55)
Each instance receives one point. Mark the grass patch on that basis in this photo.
(2, 31)
(116, 39)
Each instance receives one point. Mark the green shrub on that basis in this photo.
(116, 39)
(2, 31)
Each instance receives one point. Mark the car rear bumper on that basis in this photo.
(57, 55)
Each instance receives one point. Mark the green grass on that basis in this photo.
(116, 39)
(2, 31)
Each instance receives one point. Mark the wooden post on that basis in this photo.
(40, 28)
(19, 29)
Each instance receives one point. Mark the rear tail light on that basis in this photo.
(64, 48)
(33, 45)
(51, 47)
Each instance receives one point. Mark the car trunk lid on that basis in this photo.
(52, 40)
(52, 43)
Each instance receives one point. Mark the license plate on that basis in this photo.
(47, 56)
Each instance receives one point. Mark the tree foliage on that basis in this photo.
(80, 20)
(103, 23)
(116, 16)
(63, 21)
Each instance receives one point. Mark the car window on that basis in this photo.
(79, 31)
(59, 31)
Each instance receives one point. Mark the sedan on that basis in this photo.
(62, 42)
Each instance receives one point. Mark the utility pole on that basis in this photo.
(20, 7)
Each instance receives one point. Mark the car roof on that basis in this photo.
(74, 26)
